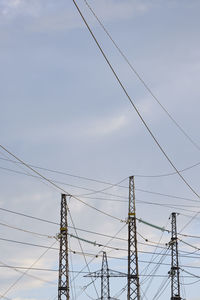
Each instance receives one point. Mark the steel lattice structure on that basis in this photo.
(105, 284)
(133, 273)
(174, 273)
(63, 280)
(105, 273)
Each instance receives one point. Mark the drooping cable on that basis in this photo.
(18, 270)
(140, 78)
(111, 184)
(58, 187)
(101, 181)
(133, 105)
(24, 273)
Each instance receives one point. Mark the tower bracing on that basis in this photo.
(133, 272)
(174, 272)
(63, 280)
(105, 273)
(105, 284)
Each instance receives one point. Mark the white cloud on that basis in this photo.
(14, 8)
(112, 10)
(108, 126)
(48, 17)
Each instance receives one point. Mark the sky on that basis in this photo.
(63, 110)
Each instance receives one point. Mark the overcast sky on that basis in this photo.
(62, 109)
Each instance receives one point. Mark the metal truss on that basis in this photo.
(63, 281)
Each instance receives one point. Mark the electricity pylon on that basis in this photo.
(133, 272)
(105, 282)
(175, 270)
(63, 280)
(105, 273)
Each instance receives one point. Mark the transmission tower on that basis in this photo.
(133, 273)
(105, 273)
(105, 282)
(63, 280)
(174, 273)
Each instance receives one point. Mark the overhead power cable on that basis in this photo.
(73, 271)
(89, 231)
(162, 288)
(177, 207)
(192, 274)
(27, 231)
(134, 106)
(94, 243)
(111, 184)
(91, 191)
(18, 270)
(86, 253)
(32, 265)
(25, 268)
(60, 188)
(154, 256)
(104, 246)
(101, 181)
(190, 245)
(150, 243)
(190, 283)
(141, 79)
(28, 216)
(84, 256)
(163, 276)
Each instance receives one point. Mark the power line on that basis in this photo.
(166, 205)
(26, 231)
(94, 243)
(134, 106)
(18, 269)
(196, 281)
(58, 187)
(73, 271)
(27, 244)
(162, 288)
(104, 246)
(23, 274)
(25, 268)
(83, 230)
(194, 275)
(94, 191)
(82, 239)
(84, 256)
(102, 181)
(85, 253)
(141, 79)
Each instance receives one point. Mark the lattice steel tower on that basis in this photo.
(105, 284)
(133, 273)
(63, 280)
(105, 273)
(174, 272)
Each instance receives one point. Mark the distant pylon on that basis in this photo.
(105, 284)
(174, 272)
(105, 273)
(63, 280)
(133, 272)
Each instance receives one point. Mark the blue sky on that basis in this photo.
(61, 108)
